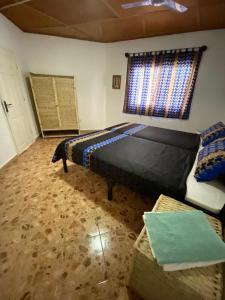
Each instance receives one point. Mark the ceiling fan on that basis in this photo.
(167, 3)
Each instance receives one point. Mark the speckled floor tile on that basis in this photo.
(60, 238)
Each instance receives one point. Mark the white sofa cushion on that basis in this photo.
(208, 195)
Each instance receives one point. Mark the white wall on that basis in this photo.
(85, 60)
(93, 65)
(208, 104)
(12, 37)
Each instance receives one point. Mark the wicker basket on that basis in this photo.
(151, 282)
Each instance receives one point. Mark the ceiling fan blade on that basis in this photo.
(167, 3)
(136, 4)
(175, 6)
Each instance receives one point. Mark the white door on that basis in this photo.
(13, 102)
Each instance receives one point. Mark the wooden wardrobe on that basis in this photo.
(56, 104)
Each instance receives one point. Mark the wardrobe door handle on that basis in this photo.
(5, 106)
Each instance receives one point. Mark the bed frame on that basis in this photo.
(111, 183)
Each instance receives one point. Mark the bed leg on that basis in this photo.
(65, 165)
(222, 215)
(110, 184)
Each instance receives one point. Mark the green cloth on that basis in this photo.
(183, 237)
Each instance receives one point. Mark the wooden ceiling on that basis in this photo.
(106, 21)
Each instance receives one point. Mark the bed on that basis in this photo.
(145, 165)
(148, 159)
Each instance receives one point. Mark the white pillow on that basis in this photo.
(208, 195)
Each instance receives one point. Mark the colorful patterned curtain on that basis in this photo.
(161, 83)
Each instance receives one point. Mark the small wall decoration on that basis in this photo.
(116, 82)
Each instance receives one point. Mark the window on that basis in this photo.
(161, 83)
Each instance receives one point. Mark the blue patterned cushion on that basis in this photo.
(211, 161)
(212, 133)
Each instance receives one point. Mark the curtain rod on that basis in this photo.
(202, 48)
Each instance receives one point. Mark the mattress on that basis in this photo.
(208, 195)
(145, 165)
(185, 140)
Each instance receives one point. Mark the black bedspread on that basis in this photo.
(145, 165)
(142, 164)
(176, 138)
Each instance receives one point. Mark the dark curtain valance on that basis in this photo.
(197, 49)
(161, 83)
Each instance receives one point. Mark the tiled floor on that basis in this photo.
(60, 238)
